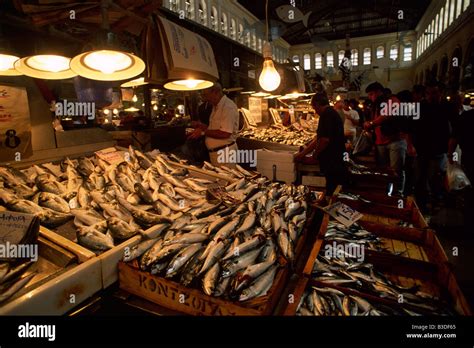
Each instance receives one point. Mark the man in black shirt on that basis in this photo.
(328, 146)
(462, 135)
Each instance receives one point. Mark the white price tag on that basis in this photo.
(343, 213)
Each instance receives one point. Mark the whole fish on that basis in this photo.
(95, 240)
(143, 193)
(181, 258)
(240, 249)
(194, 185)
(188, 238)
(16, 287)
(213, 256)
(138, 250)
(248, 223)
(209, 281)
(45, 184)
(233, 266)
(174, 181)
(54, 202)
(120, 229)
(260, 286)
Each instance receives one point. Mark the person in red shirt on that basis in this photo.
(391, 147)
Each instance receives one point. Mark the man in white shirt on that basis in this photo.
(223, 126)
(351, 121)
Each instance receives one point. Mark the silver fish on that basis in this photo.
(54, 202)
(120, 229)
(210, 279)
(95, 240)
(260, 286)
(248, 223)
(181, 258)
(138, 250)
(233, 266)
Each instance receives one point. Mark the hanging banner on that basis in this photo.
(173, 52)
(15, 125)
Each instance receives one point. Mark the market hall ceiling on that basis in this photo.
(333, 19)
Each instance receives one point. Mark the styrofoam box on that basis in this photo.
(317, 181)
(283, 160)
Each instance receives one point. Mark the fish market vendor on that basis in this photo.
(221, 134)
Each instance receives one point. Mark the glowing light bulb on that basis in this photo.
(106, 112)
(6, 62)
(107, 61)
(155, 107)
(115, 111)
(134, 98)
(269, 78)
(338, 98)
(190, 83)
(48, 62)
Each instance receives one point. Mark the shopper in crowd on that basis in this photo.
(462, 135)
(407, 126)
(430, 137)
(351, 122)
(328, 146)
(418, 93)
(223, 127)
(354, 105)
(391, 147)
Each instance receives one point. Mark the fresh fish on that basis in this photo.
(24, 206)
(138, 250)
(250, 244)
(168, 190)
(54, 202)
(187, 194)
(45, 184)
(188, 238)
(171, 203)
(209, 280)
(194, 185)
(213, 256)
(181, 258)
(144, 195)
(260, 286)
(95, 240)
(13, 289)
(233, 266)
(227, 229)
(248, 223)
(120, 229)
(222, 286)
(86, 217)
(204, 212)
(174, 181)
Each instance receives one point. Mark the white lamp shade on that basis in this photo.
(107, 65)
(188, 85)
(45, 66)
(7, 65)
(134, 83)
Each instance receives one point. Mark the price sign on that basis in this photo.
(343, 213)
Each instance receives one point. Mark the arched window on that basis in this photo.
(174, 5)
(330, 60)
(254, 41)
(260, 45)
(367, 56)
(380, 52)
(296, 59)
(446, 15)
(318, 61)
(451, 11)
(189, 9)
(407, 53)
(247, 39)
(394, 52)
(354, 57)
(241, 33)
(224, 24)
(202, 12)
(466, 5)
(340, 56)
(436, 31)
(441, 21)
(233, 28)
(458, 8)
(214, 22)
(306, 62)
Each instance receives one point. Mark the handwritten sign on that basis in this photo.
(14, 226)
(112, 156)
(343, 213)
(255, 107)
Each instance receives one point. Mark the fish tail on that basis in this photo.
(306, 18)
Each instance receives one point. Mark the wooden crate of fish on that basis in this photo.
(405, 215)
(244, 259)
(391, 275)
(373, 196)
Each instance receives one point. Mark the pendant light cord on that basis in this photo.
(266, 19)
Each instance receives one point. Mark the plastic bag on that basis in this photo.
(363, 144)
(456, 178)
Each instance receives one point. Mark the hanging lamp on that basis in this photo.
(269, 78)
(7, 58)
(107, 63)
(134, 83)
(45, 66)
(188, 85)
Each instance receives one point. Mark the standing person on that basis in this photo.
(391, 148)
(354, 104)
(223, 126)
(430, 137)
(462, 135)
(328, 146)
(351, 122)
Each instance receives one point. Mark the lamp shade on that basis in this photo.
(134, 83)
(188, 85)
(45, 66)
(107, 65)
(7, 67)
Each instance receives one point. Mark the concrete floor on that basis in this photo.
(448, 224)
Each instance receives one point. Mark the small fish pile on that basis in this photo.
(279, 135)
(13, 277)
(233, 251)
(355, 234)
(346, 271)
(109, 203)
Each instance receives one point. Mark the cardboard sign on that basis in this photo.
(15, 125)
(343, 213)
(185, 51)
(112, 156)
(255, 108)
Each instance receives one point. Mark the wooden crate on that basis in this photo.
(194, 302)
(388, 215)
(378, 197)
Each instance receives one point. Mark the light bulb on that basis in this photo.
(155, 107)
(190, 83)
(6, 62)
(48, 62)
(107, 61)
(338, 98)
(115, 111)
(269, 78)
(106, 112)
(134, 98)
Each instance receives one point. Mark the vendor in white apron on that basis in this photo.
(223, 127)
